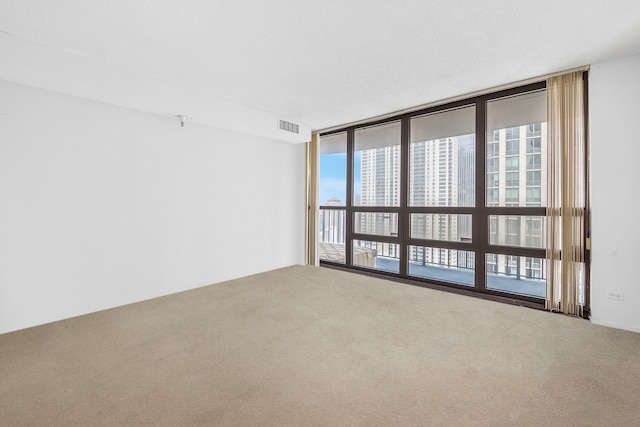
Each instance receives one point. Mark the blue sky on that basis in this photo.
(333, 176)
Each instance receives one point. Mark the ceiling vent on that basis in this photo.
(289, 127)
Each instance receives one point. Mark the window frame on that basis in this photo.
(479, 244)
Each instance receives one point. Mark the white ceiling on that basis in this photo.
(234, 63)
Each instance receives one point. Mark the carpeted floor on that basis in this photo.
(313, 346)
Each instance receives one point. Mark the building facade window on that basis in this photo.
(512, 163)
(513, 147)
(534, 161)
(534, 178)
(512, 195)
(512, 179)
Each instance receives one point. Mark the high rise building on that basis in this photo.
(379, 186)
(433, 178)
(516, 165)
(380, 182)
(442, 173)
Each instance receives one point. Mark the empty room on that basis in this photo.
(394, 213)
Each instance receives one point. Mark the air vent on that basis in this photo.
(289, 127)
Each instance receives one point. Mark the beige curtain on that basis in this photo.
(312, 203)
(565, 193)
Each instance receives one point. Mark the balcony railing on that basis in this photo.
(519, 275)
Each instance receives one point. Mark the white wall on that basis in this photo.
(102, 206)
(615, 191)
(24, 62)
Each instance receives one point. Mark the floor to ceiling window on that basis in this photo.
(516, 193)
(332, 217)
(451, 195)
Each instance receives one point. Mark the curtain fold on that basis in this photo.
(566, 193)
(311, 200)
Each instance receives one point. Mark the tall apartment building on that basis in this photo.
(442, 173)
(379, 186)
(434, 179)
(516, 176)
(380, 179)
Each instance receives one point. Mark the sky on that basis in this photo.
(333, 176)
(333, 172)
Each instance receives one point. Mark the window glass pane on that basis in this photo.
(517, 126)
(376, 255)
(447, 265)
(455, 228)
(333, 169)
(333, 190)
(516, 230)
(512, 179)
(516, 274)
(382, 224)
(442, 159)
(331, 234)
(377, 166)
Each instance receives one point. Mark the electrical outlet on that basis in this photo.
(615, 295)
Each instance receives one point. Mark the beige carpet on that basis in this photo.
(313, 346)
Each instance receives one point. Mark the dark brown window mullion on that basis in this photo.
(441, 244)
(516, 211)
(532, 87)
(375, 238)
(516, 251)
(404, 229)
(349, 223)
(450, 210)
(376, 209)
(480, 219)
(332, 208)
(536, 302)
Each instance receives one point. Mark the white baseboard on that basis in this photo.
(617, 326)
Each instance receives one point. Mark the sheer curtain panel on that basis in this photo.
(566, 193)
(311, 212)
